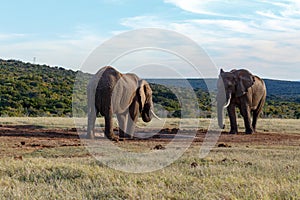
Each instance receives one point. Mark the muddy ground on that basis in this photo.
(18, 140)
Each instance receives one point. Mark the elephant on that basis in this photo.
(239, 88)
(110, 92)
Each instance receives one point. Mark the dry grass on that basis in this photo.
(228, 173)
(239, 172)
(264, 125)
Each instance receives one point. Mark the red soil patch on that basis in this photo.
(16, 140)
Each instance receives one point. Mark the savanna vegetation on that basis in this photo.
(254, 169)
(235, 173)
(43, 158)
(39, 90)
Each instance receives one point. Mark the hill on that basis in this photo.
(39, 90)
(283, 97)
(284, 89)
(35, 90)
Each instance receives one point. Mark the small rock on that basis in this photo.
(73, 129)
(224, 160)
(23, 143)
(18, 157)
(35, 145)
(289, 167)
(159, 147)
(224, 145)
(194, 165)
(249, 163)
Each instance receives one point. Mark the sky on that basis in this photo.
(261, 36)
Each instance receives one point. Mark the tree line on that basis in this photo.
(39, 90)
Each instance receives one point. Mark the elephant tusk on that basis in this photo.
(228, 102)
(154, 115)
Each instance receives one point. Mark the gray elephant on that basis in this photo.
(239, 88)
(126, 95)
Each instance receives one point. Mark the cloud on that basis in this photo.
(11, 36)
(63, 50)
(258, 35)
(234, 9)
(195, 6)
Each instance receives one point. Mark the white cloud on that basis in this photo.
(65, 50)
(199, 7)
(10, 36)
(259, 35)
(291, 9)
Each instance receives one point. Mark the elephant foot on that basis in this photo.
(90, 136)
(222, 126)
(249, 132)
(233, 132)
(112, 137)
(125, 136)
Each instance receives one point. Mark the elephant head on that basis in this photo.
(231, 85)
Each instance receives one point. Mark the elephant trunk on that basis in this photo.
(146, 113)
(146, 117)
(221, 107)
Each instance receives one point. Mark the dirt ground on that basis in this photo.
(18, 140)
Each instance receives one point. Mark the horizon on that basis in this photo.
(155, 78)
(261, 36)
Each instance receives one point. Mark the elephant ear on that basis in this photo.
(244, 81)
(144, 92)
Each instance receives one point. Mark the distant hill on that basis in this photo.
(274, 87)
(283, 90)
(35, 90)
(39, 90)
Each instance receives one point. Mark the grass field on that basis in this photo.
(264, 125)
(58, 169)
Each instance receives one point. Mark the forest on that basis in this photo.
(39, 90)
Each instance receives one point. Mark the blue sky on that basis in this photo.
(262, 36)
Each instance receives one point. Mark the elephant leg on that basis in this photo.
(254, 120)
(245, 111)
(132, 118)
(109, 128)
(122, 125)
(232, 118)
(91, 123)
(256, 113)
(130, 127)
